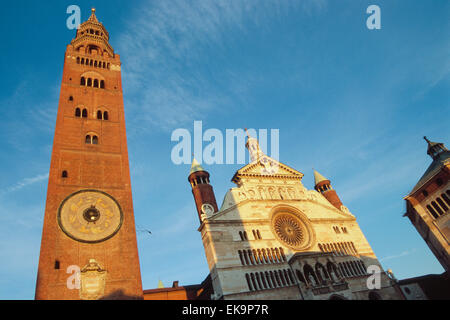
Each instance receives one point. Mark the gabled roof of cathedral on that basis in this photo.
(262, 165)
(266, 167)
(195, 167)
(319, 178)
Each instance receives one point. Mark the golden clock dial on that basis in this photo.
(90, 216)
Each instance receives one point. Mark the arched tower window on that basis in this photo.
(443, 206)
(444, 196)
(241, 257)
(310, 276)
(94, 140)
(102, 84)
(374, 296)
(433, 213)
(300, 276)
(283, 257)
(64, 174)
(89, 82)
(77, 112)
(83, 81)
(85, 113)
(105, 115)
(96, 84)
(250, 287)
(438, 209)
(88, 139)
(269, 282)
(253, 281)
(99, 115)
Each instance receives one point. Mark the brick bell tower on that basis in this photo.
(428, 203)
(323, 185)
(203, 192)
(89, 222)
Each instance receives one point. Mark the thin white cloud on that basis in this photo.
(163, 45)
(400, 255)
(24, 183)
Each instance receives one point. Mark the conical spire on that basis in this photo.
(93, 17)
(160, 284)
(92, 35)
(318, 178)
(435, 148)
(195, 167)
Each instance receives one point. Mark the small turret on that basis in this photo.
(323, 186)
(203, 192)
(435, 149)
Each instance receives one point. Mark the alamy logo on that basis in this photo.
(374, 20)
(74, 20)
(73, 281)
(215, 152)
(374, 280)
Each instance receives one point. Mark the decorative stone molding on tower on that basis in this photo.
(89, 209)
(323, 185)
(428, 204)
(203, 192)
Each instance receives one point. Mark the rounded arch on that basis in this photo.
(300, 276)
(93, 48)
(332, 271)
(337, 297)
(310, 275)
(93, 75)
(321, 272)
(373, 295)
(91, 138)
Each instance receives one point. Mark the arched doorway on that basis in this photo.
(374, 296)
(337, 297)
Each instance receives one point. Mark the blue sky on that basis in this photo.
(350, 102)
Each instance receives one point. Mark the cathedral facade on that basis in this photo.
(274, 239)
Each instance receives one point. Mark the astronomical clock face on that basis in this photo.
(90, 216)
(207, 209)
(292, 230)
